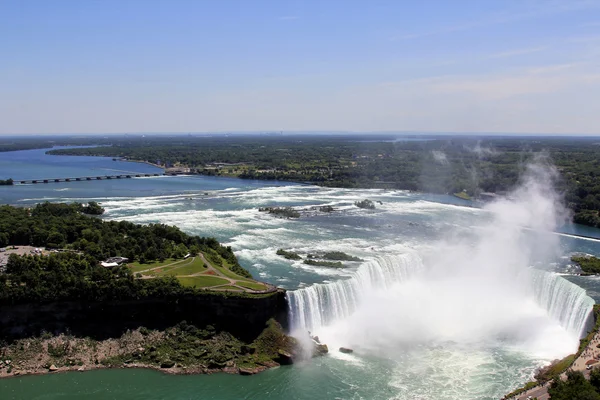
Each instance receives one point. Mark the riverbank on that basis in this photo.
(587, 356)
(142, 162)
(182, 349)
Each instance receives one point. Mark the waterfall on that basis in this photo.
(320, 304)
(564, 301)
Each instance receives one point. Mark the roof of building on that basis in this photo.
(117, 260)
(109, 264)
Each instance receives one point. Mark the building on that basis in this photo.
(114, 262)
(109, 264)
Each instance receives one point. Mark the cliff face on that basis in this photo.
(244, 317)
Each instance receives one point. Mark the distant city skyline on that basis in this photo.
(504, 67)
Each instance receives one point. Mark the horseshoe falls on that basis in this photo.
(323, 304)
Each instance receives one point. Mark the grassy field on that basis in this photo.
(137, 267)
(196, 272)
(229, 287)
(251, 285)
(186, 267)
(202, 281)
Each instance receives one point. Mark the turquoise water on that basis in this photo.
(483, 359)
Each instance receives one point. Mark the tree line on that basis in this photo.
(76, 273)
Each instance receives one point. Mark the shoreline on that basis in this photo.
(183, 370)
(540, 391)
(179, 350)
(134, 161)
(581, 360)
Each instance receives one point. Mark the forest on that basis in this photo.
(464, 165)
(74, 272)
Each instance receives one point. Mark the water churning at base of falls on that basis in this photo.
(324, 304)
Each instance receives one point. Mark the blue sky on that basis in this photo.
(104, 66)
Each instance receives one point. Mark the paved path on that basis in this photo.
(591, 352)
(189, 260)
(215, 272)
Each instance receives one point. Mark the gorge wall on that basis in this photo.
(242, 316)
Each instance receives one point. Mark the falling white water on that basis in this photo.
(322, 304)
(564, 301)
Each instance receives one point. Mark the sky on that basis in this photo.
(114, 66)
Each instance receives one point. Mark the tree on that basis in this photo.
(576, 387)
(93, 208)
(3, 239)
(595, 379)
(55, 239)
(151, 254)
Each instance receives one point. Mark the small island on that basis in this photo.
(463, 195)
(590, 265)
(335, 255)
(331, 259)
(366, 203)
(289, 255)
(282, 212)
(322, 263)
(6, 182)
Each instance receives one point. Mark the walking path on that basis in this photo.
(591, 353)
(211, 271)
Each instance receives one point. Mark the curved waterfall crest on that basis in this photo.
(321, 305)
(564, 301)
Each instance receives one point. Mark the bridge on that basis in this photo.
(85, 178)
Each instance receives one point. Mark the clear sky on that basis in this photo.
(105, 66)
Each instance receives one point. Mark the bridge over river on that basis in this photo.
(85, 178)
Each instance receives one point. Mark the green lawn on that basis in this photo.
(189, 267)
(137, 267)
(227, 272)
(183, 268)
(251, 285)
(163, 270)
(229, 287)
(203, 281)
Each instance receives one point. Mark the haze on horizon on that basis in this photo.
(510, 66)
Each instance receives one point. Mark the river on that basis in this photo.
(444, 305)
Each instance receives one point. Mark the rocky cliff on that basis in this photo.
(242, 316)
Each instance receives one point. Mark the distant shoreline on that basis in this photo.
(127, 160)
